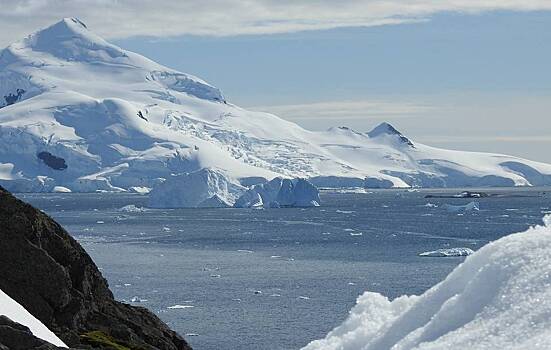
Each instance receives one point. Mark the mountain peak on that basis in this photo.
(69, 39)
(387, 129)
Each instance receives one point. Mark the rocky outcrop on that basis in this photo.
(14, 336)
(46, 271)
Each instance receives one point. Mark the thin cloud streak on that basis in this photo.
(349, 110)
(168, 18)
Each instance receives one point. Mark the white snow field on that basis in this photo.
(17, 313)
(86, 115)
(498, 298)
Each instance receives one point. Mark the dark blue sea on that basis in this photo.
(279, 278)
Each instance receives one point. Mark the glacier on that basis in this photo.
(487, 302)
(81, 113)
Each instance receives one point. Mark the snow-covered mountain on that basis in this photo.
(81, 113)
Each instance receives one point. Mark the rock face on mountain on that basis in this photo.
(46, 271)
(14, 336)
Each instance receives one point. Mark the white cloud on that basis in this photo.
(347, 110)
(165, 18)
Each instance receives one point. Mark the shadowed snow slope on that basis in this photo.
(499, 298)
(17, 313)
(103, 118)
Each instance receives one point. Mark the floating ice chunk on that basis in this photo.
(61, 189)
(431, 205)
(177, 306)
(344, 211)
(137, 299)
(100, 222)
(304, 297)
(446, 252)
(462, 208)
(257, 292)
(356, 233)
(131, 208)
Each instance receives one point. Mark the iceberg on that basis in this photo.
(205, 188)
(487, 302)
(445, 252)
(280, 193)
(462, 208)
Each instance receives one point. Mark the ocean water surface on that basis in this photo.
(279, 278)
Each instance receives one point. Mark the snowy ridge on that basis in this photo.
(103, 118)
(487, 302)
(17, 313)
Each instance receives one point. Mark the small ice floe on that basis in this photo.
(431, 205)
(326, 233)
(131, 208)
(275, 256)
(356, 233)
(177, 306)
(236, 299)
(303, 297)
(215, 276)
(244, 251)
(349, 230)
(257, 292)
(127, 284)
(351, 283)
(137, 300)
(275, 295)
(100, 222)
(344, 211)
(462, 208)
(192, 335)
(166, 229)
(384, 206)
(447, 252)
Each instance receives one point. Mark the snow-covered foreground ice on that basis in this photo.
(499, 298)
(17, 313)
(84, 115)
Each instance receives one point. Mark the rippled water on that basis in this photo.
(279, 278)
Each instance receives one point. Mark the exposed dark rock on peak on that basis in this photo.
(46, 271)
(13, 97)
(387, 129)
(56, 163)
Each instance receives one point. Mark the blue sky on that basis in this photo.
(463, 81)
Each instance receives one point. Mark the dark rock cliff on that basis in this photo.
(45, 270)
